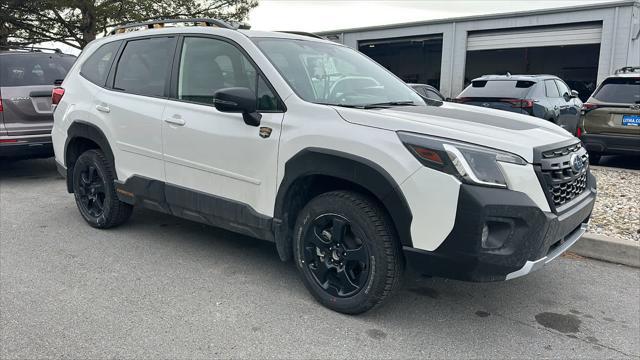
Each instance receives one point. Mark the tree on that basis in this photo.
(12, 13)
(78, 22)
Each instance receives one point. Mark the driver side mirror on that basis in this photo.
(574, 94)
(238, 100)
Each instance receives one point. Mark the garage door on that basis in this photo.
(415, 59)
(535, 37)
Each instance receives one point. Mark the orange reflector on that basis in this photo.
(429, 155)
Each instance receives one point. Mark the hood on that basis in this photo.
(511, 132)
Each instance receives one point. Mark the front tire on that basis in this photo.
(347, 252)
(95, 192)
(594, 158)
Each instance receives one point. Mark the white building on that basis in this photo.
(582, 45)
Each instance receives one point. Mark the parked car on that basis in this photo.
(229, 128)
(428, 91)
(610, 122)
(543, 96)
(27, 77)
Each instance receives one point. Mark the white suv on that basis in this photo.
(311, 145)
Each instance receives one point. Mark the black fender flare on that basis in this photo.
(348, 167)
(81, 129)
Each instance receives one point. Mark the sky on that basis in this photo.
(321, 15)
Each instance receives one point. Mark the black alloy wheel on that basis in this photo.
(347, 251)
(336, 255)
(91, 190)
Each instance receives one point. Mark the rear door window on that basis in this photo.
(551, 89)
(96, 67)
(498, 89)
(619, 90)
(34, 69)
(144, 66)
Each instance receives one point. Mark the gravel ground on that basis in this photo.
(617, 210)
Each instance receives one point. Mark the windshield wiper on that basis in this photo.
(373, 106)
(342, 105)
(388, 104)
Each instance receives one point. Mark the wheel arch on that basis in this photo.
(313, 171)
(83, 136)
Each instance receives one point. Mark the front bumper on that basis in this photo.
(26, 147)
(615, 144)
(521, 237)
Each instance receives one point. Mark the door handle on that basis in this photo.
(175, 121)
(104, 109)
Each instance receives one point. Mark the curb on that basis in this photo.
(609, 249)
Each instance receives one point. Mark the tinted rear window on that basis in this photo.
(497, 88)
(619, 90)
(33, 69)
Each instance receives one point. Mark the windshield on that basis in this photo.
(335, 75)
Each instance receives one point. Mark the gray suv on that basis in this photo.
(27, 79)
(543, 96)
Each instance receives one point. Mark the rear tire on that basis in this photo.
(347, 252)
(95, 193)
(594, 158)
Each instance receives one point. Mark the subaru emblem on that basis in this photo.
(576, 163)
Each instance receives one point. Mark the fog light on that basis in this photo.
(496, 233)
(485, 235)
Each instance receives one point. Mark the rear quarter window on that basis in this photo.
(96, 67)
(498, 88)
(551, 89)
(619, 90)
(32, 69)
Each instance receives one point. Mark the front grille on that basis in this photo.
(561, 179)
(563, 192)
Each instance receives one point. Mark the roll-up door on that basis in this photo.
(535, 37)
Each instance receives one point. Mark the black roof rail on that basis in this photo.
(303, 33)
(30, 48)
(627, 69)
(156, 24)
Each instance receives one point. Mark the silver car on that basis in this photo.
(27, 79)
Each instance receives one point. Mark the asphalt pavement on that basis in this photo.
(161, 287)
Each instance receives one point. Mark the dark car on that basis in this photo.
(427, 91)
(27, 78)
(610, 123)
(543, 96)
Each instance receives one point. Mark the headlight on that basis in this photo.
(472, 164)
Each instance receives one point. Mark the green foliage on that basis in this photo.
(78, 22)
